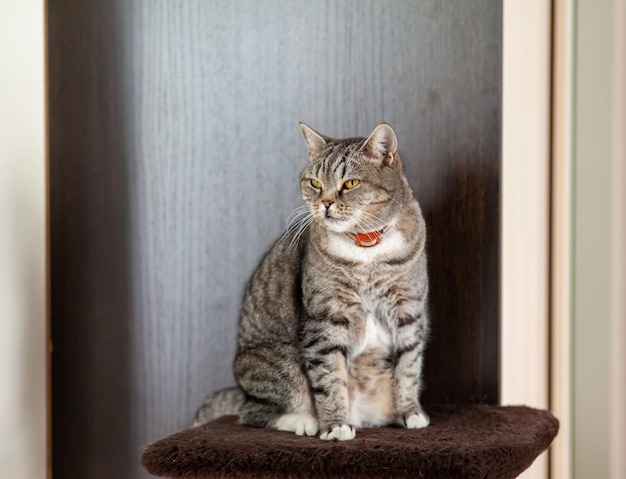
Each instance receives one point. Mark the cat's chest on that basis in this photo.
(393, 244)
(373, 328)
(373, 334)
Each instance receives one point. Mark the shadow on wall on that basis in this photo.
(462, 213)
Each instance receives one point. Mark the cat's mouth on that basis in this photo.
(335, 223)
(330, 216)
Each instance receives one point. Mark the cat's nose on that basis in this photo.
(327, 204)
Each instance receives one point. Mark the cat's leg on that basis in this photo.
(277, 390)
(300, 417)
(325, 351)
(258, 414)
(408, 372)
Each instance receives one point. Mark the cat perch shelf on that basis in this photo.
(475, 441)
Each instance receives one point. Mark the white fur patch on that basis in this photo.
(365, 412)
(416, 421)
(301, 424)
(367, 409)
(342, 433)
(392, 244)
(376, 336)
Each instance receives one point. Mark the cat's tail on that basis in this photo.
(225, 402)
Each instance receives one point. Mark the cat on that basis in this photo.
(334, 320)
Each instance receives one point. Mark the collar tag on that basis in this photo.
(368, 240)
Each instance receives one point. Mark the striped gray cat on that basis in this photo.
(334, 320)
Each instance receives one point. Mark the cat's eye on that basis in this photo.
(316, 184)
(351, 184)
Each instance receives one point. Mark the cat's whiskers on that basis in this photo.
(300, 226)
(398, 202)
(304, 225)
(369, 221)
(293, 217)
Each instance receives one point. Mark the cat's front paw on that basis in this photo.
(341, 432)
(415, 420)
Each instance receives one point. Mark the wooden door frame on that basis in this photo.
(525, 222)
(561, 240)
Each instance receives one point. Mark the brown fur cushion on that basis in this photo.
(461, 442)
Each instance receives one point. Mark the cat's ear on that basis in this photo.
(382, 143)
(315, 142)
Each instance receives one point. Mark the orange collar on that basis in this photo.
(367, 240)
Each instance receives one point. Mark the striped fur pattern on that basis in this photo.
(332, 335)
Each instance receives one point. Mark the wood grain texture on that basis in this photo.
(174, 156)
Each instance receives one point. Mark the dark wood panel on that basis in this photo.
(456, 175)
(91, 284)
(174, 156)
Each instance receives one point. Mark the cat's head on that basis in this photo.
(356, 184)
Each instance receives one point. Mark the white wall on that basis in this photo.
(22, 240)
(589, 344)
(598, 241)
(589, 239)
(617, 373)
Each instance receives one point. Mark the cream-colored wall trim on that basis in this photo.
(561, 247)
(618, 251)
(22, 241)
(525, 206)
